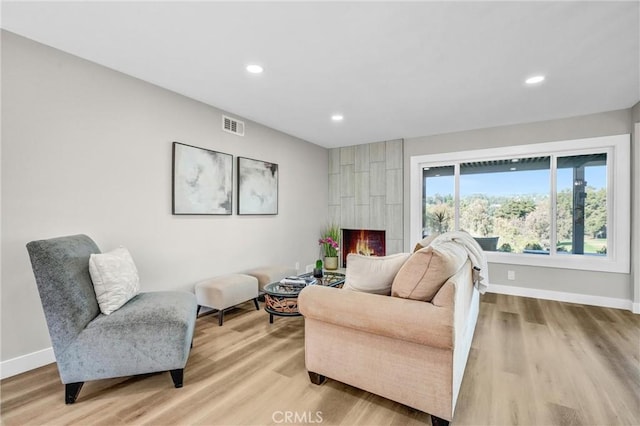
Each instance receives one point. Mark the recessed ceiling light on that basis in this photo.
(515, 160)
(254, 69)
(535, 79)
(337, 117)
(512, 168)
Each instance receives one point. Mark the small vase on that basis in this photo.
(331, 263)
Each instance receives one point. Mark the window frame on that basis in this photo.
(617, 148)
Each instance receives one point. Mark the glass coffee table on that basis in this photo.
(282, 299)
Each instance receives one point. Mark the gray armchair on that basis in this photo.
(152, 332)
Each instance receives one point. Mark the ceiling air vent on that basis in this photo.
(232, 125)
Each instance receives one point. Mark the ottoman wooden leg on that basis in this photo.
(220, 317)
(255, 302)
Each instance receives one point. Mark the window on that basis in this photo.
(438, 208)
(561, 204)
(581, 204)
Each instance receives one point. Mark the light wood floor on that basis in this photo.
(532, 362)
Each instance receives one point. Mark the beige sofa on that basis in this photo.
(410, 351)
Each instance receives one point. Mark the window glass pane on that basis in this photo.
(438, 209)
(582, 204)
(505, 204)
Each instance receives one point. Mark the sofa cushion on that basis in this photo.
(115, 278)
(372, 274)
(427, 270)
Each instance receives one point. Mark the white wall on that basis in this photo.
(86, 149)
(580, 286)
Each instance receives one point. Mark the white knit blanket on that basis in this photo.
(476, 255)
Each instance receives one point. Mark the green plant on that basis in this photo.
(506, 247)
(438, 217)
(533, 246)
(330, 240)
(319, 264)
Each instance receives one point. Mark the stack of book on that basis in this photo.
(298, 281)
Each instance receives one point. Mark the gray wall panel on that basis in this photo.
(370, 188)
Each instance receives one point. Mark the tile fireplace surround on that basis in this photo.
(366, 191)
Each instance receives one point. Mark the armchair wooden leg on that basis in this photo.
(317, 379)
(220, 317)
(71, 392)
(437, 421)
(177, 376)
(255, 302)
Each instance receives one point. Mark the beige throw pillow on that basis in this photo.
(115, 278)
(373, 274)
(425, 242)
(427, 270)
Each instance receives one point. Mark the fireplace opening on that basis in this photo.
(367, 242)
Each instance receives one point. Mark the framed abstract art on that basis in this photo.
(257, 187)
(202, 181)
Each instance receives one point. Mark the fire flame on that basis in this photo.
(362, 241)
(362, 246)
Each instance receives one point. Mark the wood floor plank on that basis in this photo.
(531, 310)
(532, 362)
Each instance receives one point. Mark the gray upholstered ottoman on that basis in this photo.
(226, 291)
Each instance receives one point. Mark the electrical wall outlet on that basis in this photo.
(309, 268)
(511, 275)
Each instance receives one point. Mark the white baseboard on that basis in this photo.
(27, 362)
(560, 296)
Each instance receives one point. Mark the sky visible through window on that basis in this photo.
(528, 182)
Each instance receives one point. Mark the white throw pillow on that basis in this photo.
(115, 278)
(373, 274)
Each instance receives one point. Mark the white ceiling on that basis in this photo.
(394, 70)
